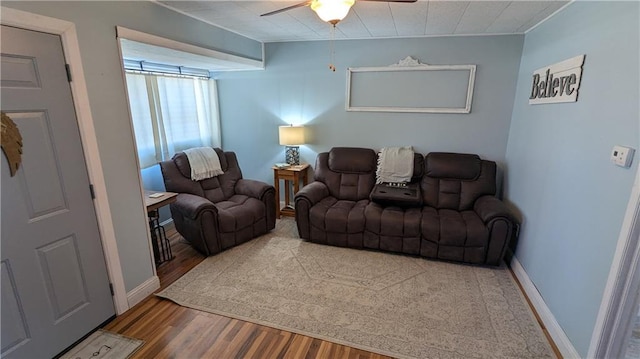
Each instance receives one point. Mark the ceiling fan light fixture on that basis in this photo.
(332, 11)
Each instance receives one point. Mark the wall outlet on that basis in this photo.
(622, 156)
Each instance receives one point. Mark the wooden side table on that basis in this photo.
(295, 174)
(159, 241)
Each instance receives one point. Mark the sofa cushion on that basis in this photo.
(445, 192)
(452, 235)
(215, 189)
(338, 216)
(239, 212)
(352, 184)
(212, 189)
(352, 160)
(392, 228)
(393, 221)
(453, 165)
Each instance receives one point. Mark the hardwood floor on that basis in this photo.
(172, 331)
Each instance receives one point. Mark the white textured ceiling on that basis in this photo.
(369, 19)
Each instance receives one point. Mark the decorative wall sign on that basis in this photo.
(411, 86)
(11, 143)
(557, 83)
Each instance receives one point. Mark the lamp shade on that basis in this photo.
(291, 135)
(332, 11)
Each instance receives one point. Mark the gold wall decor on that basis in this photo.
(11, 143)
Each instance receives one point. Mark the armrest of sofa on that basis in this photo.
(196, 219)
(312, 193)
(191, 206)
(490, 207)
(502, 226)
(306, 198)
(252, 188)
(262, 191)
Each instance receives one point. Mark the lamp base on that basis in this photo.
(292, 155)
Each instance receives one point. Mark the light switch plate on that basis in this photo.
(622, 156)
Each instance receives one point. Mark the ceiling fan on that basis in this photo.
(331, 11)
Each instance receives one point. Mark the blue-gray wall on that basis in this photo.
(298, 87)
(571, 197)
(96, 28)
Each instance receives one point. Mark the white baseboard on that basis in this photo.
(168, 222)
(553, 327)
(142, 291)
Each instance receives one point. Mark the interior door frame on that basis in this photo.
(619, 301)
(67, 32)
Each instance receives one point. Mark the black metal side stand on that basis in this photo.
(159, 240)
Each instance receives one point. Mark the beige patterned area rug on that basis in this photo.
(395, 305)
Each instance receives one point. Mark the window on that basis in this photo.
(171, 114)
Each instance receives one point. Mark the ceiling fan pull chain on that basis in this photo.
(331, 49)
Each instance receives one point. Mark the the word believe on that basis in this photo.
(549, 87)
(557, 83)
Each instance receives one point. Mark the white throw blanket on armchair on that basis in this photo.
(395, 164)
(204, 163)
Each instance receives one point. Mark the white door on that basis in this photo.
(55, 287)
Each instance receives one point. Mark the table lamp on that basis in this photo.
(292, 137)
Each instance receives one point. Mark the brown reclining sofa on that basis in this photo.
(458, 218)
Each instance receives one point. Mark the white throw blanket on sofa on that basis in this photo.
(395, 164)
(204, 163)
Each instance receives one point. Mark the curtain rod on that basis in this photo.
(164, 69)
(166, 74)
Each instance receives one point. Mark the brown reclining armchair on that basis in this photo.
(218, 212)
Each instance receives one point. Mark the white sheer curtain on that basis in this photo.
(171, 114)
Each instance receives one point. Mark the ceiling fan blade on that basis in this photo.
(306, 3)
